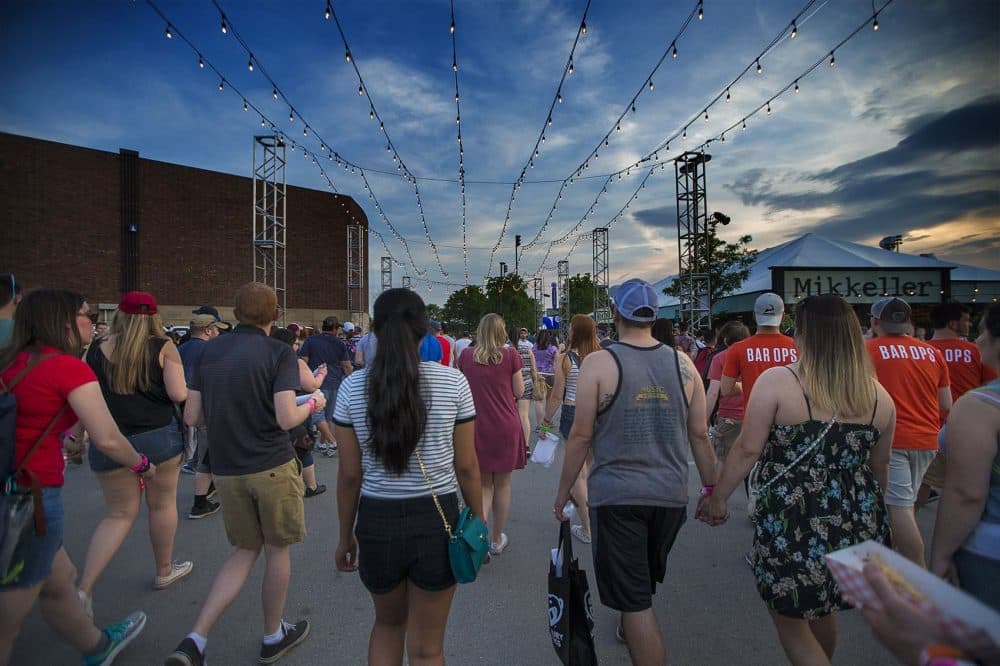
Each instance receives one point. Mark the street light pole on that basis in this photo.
(503, 283)
(517, 244)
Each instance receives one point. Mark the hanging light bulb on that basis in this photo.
(549, 121)
(454, 65)
(875, 23)
(245, 107)
(456, 96)
(723, 137)
(262, 121)
(305, 131)
(685, 135)
(543, 138)
(583, 28)
(221, 84)
(833, 61)
(795, 29)
(250, 64)
(674, 49)
(744, 124)
(571, 64)
(451, 29)
(701, 12)
(291, 117)
(168, 32)
(274, 93)
(651, 85)
(706, 115)
(328, 11)
(559, 97)
(371, 114)
(760, 70)
(618, 128)
(225, 29)
(201, 62)
(769, 107)
(606, 144)
(796, 85)
(361, 89)
(347, 55)
(633, 107)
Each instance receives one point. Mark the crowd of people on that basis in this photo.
(835, 432)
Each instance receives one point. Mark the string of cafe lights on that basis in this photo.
(390, 147)
(616, 127)
(790, 28)
(829, 58)
(535, 152)
(461, 147)
(265, 121)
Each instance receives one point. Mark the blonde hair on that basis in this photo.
(490, 337)
(834, 365)
(128, 368)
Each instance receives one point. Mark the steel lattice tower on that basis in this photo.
(562, 272)
(602, 304)
(536, 284)
(356, 269)
(269, 215)
(386, 273)
(693, 239)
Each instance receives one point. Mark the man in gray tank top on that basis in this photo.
(641, 406)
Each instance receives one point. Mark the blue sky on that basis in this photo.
(901, 137)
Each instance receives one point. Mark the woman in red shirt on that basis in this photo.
(51, 327)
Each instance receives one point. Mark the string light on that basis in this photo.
(795, 29)
(651, 85)
(201, 62)
(701, 12)
(796, 85)
(674, 49)
(706, 115)
(274, 93)
(760, 70)
(347, 56)
(168, 32)
(833, 61)
(571, 65)
(728, 96)
(328, 11)
(875, 28)
(250, 64)
(583, 28)
(224, 28)
(245, 107)
(221, 84)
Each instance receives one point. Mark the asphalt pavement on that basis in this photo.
(708, 607)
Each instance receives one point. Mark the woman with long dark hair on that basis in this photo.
(581, 341)
(406, 430)
(54, 388)
(824, 426)
(141, 377)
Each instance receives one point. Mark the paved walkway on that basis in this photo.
(708, 606)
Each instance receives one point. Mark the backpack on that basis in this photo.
(701, 360)
(8, 416)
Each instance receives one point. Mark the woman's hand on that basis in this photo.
(712, 510)
(346, 558)
(560, 506)
(149, 473)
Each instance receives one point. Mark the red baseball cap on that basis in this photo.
(138, 303)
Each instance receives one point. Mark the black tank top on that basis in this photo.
(143, 410)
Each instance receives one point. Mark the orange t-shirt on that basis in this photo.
(748, 359)
(911, 371)
(965, 367)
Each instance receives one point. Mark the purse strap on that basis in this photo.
(35, 360)
(427, 480)
(816, 442)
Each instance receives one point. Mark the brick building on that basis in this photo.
(94, 221)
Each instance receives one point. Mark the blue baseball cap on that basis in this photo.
(634, 295)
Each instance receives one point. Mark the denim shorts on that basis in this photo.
(402, 540)
(566, 420)
(159, 445)
(39, 551)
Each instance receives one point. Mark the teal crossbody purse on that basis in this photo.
(468, 541)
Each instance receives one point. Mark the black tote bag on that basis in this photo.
(571, 617)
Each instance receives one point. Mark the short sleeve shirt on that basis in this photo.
(965, 367)
(747, 359)
(238, 375)
(190, 353)
(445, 349)
(326, 348)
(730, 407)
(40, 395)
(449, 400)
(911, 371)
(430, 349)
(367, 345)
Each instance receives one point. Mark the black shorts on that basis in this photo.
(404, 539)
(630, 547)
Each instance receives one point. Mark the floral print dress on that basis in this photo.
(828, 501)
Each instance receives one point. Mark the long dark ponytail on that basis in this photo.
(396, 410)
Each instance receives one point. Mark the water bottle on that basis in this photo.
(569, 510)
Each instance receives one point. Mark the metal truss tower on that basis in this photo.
(693, 240)
(562, 273)
(356, 269)
(602, 303)
(386, 273)
(269, 215)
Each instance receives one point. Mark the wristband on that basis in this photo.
(707, 490)
(143, 465)
(312, 405)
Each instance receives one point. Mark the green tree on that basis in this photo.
(507, 297)
(728, 264)
(581, 294)
(464, 308)
(434, 311)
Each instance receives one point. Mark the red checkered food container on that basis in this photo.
(952, 606)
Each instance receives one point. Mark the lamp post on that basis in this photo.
(517, 244)
(503, 283)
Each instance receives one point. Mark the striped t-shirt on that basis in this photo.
(449, 402)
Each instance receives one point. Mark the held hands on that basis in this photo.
(346, 557)
(712, 510)
(320, 401)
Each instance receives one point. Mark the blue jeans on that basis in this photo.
(38, 552)
(159, 445)
(566, 420)
(979, 576)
